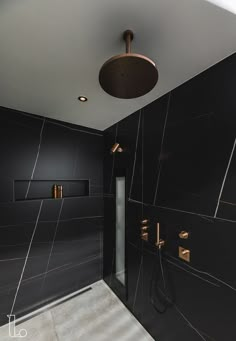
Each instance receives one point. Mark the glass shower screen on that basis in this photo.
(120, 229)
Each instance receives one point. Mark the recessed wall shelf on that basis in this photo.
(42, 189)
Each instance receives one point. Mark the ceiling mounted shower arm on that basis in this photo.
(128, 37)
(128, 75)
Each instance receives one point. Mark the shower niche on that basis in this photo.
(43, 189)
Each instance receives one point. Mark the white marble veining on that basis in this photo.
(162, 142)
(36, 160)
(97, 315)
(26, 258)
(135, 153)
(226, 172)
(113, 159)
(53, 241)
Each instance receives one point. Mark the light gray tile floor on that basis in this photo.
(97, 315)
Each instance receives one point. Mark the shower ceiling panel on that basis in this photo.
(51, 51)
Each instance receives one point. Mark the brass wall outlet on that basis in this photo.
(184, 254)
(184, 235)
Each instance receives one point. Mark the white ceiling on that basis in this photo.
(51, 51)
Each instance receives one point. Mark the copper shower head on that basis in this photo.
(128, 75)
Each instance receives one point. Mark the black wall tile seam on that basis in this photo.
(52, 243)
(36, 159)
(51, 272)
(204, 216)
(224, 179)
(53, 121)
(26, 258)
(52, 221)
(161, 149)
(113, 159)
(137, 282)
(135, 153)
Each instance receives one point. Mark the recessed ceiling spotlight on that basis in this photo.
(82, 99)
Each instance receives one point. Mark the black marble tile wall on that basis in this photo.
(48, 247)
(180, 161)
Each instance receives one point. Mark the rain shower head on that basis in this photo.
(128, 75)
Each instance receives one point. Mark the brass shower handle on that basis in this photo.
(160, 242)
(183, 235)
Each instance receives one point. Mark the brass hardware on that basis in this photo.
(128, 75)
(116, 148)
(144, 228)
(54, 191)
(160, 242)
(183, 235)
(144, 236)
(184, 254)
(59, 191)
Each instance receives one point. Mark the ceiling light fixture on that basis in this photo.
(82, 99)
(128, 75)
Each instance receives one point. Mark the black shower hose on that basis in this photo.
(161, 295)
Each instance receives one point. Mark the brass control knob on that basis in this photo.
(183, 235)
(160, 244)
(185, 252)
(144, 228)
(144, 236)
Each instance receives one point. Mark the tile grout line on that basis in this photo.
(189, 323)
(36, 160)
(54, 237)
(113, 160)
(175, 306)
(201, 215)
(137, 285)
(74, 129)
(162, 142)
(207, 274)
(59, 124)
(226, 173)
(26, 258)
(135, 153)
(192, 268)
(25, 281)
(193, 274)
(51, 221)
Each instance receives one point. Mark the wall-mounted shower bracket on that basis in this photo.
(160, 242)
